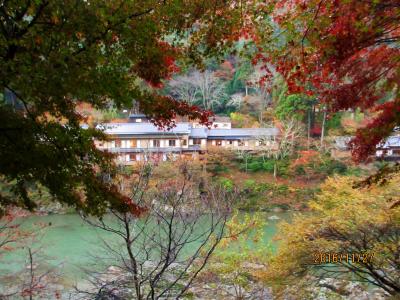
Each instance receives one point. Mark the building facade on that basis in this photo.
(140, 140)
(389, 149)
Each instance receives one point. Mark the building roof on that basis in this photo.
(199, 132)
(185, 128)
(141, 129)
(390, 142)
(137, 116)
(242, 132)
(342, 142)
(219, 119)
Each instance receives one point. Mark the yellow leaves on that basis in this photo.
(340, 215)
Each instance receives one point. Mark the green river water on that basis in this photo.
(67, 243)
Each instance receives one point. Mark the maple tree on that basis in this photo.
(345, 53)
(55, 55)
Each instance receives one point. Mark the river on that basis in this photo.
(67, 242)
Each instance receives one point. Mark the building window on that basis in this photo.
(230, 142)
(171, 143)
(196, 141)
(156, 143)
(125, 143)
(219, 142)
(117, 143)
(241, 143)
(132, 157)
(184, 142)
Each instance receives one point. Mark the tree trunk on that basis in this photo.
(128, 244)
(275, 169)
(323, 128)
(308, 129)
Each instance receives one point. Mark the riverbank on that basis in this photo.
(67, 242)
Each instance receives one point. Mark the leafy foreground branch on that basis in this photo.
(348, 219)
(160, 254)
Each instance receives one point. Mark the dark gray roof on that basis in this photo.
(199, 133)
(142, 129)
(242, 132)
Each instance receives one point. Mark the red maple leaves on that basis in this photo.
(345, 53)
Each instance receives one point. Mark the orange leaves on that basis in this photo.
(306, 157)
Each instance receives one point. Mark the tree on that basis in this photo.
(200, 87)
(284, 146)
(33, 279)
(183, 88)
(345, 53)
(352, 234)
(263, 89)
(161, 253)
(241, 255)
(55, 55)
(244, 155)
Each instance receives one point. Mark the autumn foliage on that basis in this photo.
(347, 217)
(344, 53)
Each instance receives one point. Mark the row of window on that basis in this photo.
(240, 143)
(150, 143)
(157, 143)
(153, 157)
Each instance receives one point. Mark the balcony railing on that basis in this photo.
(153, 149)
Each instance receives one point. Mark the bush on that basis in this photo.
(299, 170)
(354, 172)
(254, 166)
(218, 168)
(283, 167)
(268, 166)
(282, 189)
(331, 166)
(250, 184)
(226, 183)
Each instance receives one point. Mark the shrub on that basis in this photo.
(269, 166)
(226, 183)
(254, 166)
(249, 184)
(218, 168)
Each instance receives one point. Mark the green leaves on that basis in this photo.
(56, 54)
